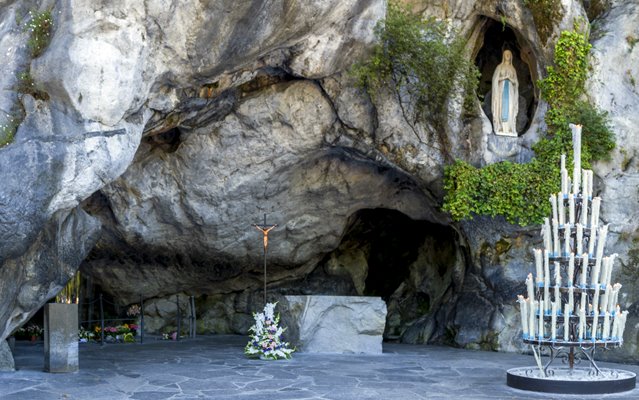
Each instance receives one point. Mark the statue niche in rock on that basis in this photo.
(505, 97)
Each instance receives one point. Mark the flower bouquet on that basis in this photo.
(85, 336)
(266, 336)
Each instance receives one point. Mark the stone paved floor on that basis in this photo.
(213, 367)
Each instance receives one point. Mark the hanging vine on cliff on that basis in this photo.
(420, 62)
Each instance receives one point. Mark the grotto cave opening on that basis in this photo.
(495, 38)
(409, 263)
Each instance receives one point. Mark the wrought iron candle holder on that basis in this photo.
(570, 321)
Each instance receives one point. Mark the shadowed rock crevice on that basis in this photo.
(414, 265)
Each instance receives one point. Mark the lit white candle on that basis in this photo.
(566, 323)
(532, 311)
(538, 267)
(622, 325)
(595, 317)
(584, 269)
(594, 275)
(553, 202)
(582, 324)
(615, 297)
(605, 335)
(582, 306)
(562, 207)
(571, 269)
(576, 148)
(594, 215)
(584, 211)
(584, 184)
(557, 298)
(580, 238)
(615, 326)
(524, 315)
(529, 286)
(571, 299)
(553, 321)
(555, 237)
(605, 264)
(546, 303)
(571, 208)
(567, 233)
(557, 274)
(611, 264)
(546, 233)
(591, 242)
(563, 165)
(601, 242)
(606, 298)
(541, 325)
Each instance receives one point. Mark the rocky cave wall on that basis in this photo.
(171, 127)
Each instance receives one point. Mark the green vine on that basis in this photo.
(420, 62)
(547, 14)
(520, 192)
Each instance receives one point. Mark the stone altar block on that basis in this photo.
(61, 337)
(6, 357)
(334, 324)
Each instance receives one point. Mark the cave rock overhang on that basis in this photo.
(489, 38)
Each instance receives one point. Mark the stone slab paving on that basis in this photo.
(214, 367)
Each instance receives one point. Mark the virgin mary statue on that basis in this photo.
(505, 97)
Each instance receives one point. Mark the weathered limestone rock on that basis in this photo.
(613, 87)
(29, 280)
(334, 324)
(6, 358)
(200, 200)
(61, 338)
(222, 111)
(106, 73)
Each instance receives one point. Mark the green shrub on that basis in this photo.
(420, 62)
(8, 130)
(39, 26)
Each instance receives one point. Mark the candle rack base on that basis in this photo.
(571, 380)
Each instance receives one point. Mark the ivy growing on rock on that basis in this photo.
(520, 192)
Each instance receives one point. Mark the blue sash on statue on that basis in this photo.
(504, 101)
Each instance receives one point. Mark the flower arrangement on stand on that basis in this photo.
(266, 336)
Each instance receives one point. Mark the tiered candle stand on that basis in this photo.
(577, 315)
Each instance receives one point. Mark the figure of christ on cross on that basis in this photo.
(265, 229)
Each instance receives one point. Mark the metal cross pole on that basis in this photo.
(265, 229)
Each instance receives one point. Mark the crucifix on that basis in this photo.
(265, 229)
